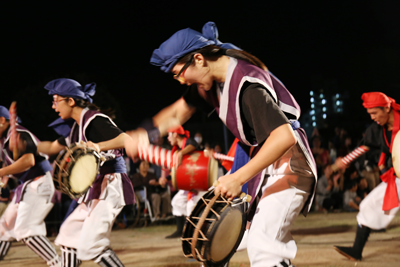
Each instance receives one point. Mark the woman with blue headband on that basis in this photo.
(263, 115)
(24, 217)
(84, 235)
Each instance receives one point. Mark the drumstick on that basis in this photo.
(346, 160)
(13, 130)
(242, 194)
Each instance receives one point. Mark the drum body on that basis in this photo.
(75, 170)
(396, 154)
(198, 171)
(221, 225)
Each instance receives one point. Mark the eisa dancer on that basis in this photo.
(23, 219)
(262, 114)
(84, 235)
(184, 201)
(381, 205)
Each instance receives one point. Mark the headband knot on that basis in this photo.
(183, 42)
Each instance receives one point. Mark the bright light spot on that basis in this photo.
(312, 106)
(312, 112)
(321, 96)
(324, 109)
(311, 93)
(312, 99)
(314, 124)
(337, 95)
(323, 101)
(338, 103)
(313, 118)
(324, 116)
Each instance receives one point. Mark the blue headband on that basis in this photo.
(71, 88)
(6, 114)
(185, 41)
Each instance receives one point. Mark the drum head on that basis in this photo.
(225, 235)
(83, 173)
(396, 154)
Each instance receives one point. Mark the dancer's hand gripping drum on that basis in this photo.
(198, 170)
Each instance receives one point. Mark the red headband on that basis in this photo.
(378, 99)
(179, 130)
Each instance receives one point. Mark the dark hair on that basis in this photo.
(213, 52)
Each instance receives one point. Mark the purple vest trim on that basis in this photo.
(238, 73)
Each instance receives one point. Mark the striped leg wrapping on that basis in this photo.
(108, 259)
(42, 246)
(68, 257)
(4, 247)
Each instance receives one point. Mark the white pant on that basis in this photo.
(26, 218)
(88, 227)
(181, 206)
(371, 213)
(269, 239)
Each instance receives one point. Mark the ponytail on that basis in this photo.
(213, 52)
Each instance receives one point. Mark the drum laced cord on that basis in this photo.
(209, 204)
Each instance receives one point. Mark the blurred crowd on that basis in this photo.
(342, 190)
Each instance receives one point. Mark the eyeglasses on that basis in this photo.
(55, 102)
(180, 76)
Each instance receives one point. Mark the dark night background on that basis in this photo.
(344, 46)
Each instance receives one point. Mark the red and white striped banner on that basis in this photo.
(222, 156)
(13, 129)
(157, 155)
(354, 154)
(165, 158)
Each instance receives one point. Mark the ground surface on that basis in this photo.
(315, 237)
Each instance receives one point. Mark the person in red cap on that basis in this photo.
(382, 203)
(184, 201)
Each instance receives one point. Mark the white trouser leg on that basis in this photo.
(179, 203)
(270, 241)
(88, 227)
(371, 213)
(7, 222)
(34, 207)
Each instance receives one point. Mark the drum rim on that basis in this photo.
(206, 246)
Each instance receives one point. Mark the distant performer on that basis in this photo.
(24, 217)
(184, 201)
(381, 205)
